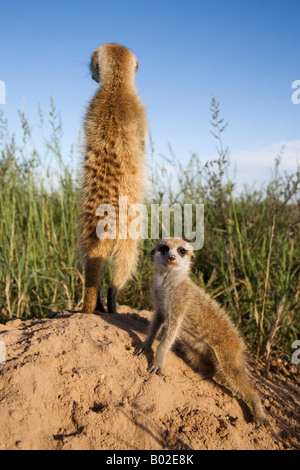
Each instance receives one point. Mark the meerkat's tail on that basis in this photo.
(124, 258)
(237, 379)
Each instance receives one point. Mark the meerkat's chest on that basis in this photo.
(162, 293)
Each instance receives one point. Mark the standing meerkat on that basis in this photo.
(213, 344)
(115, 134)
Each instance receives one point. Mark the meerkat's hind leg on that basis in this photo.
(125, 257)
(99, 305)
(201, 358)
(92, 279)
(112, 299)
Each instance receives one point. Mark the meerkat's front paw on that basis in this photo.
(142, 348)
(156, 367)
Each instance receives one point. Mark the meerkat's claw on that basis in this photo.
(261, 421)
(140, 349)
(154, 369)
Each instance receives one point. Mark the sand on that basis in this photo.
(72, 382)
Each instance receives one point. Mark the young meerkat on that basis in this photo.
(115, 134)
(212, 343)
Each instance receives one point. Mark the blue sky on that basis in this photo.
(246, 52)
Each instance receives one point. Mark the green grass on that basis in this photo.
(249, 262)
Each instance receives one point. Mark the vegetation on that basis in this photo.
(249, 262)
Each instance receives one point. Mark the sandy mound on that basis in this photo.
(72, 382)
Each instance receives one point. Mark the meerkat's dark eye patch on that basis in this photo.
(182, 251)
(164, 249)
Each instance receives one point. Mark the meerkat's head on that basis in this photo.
(172, 254)
(113, 62)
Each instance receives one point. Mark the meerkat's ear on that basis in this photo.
(136, 66)
(193, 259)
(152, 255)
(95, 60)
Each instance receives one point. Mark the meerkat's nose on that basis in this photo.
(171, 258)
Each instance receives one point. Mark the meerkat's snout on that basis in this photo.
(171, 259)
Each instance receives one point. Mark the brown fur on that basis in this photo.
(212, 342)
(115, 132)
